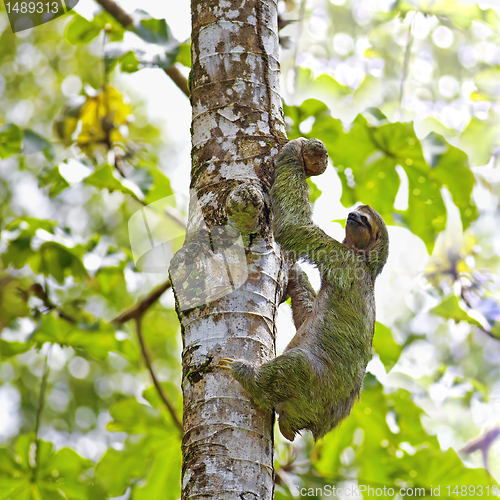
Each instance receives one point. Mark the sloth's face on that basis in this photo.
(359, 228)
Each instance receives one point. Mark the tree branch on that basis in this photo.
(406, 62)
(482, 443)
(136, 312)
(39, 410)
(159, 388)
(117, 12)
(138, 309)
(127, 21)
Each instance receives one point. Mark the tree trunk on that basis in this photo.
(229, 275)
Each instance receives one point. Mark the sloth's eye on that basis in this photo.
(364, 219)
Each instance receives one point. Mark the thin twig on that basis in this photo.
(39, 291)
(482, 443)
(159, 388)
(296, 49)
(136, 312)
(127, 21)
(406, 63)
(39, 410)
(117, 12)
(138, 309)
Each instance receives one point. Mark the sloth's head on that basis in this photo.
(366, 233)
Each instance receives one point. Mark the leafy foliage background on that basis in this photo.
(405, 96)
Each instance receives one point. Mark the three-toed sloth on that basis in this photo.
(315, 382)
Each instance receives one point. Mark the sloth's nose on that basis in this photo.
(354, 217)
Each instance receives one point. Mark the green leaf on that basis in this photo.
(119, 469)
(314, 191)
(479, 140)
(114, 30)
(79, 31)
(33, 225)
(132, 417)
(18, 252)
(54, 259)
(488, 86)
(142, 178)
(55, 180)
(35, 143)
(10, 140)
(324, 86)
(184, 55)
(62, 475)
(388, 456)
(110, 283)
(385, 346)
(450, 308)
(97, 339)
(9, 349)
(161, 187)
(171, 391)
(13, 305)
(103, 178)
(129, 62)
(158, 32)
(150, 466)
(366, 158)
(163, 479)
(452, 169)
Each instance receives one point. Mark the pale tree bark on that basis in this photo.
(227, 298)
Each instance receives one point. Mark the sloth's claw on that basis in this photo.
(226, 363)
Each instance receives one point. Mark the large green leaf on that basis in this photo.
(172, 392)
(367, 157)
(479, 139)
(450, 308)
(103, 178)
(9, 349)
(13, 305)
(79, 31)
(160, 189)
(10, 141)
(385, 346)
(18, 252)
(58, 475)
(118, 469)
(97, 339)
(56, 182)
(58, 261)
(403, 453)
(129, 62)
(157, 31)
(132, 417)
(184, 55)
(150, 466)
(35, 143)
(450, 166)
(30, 225)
